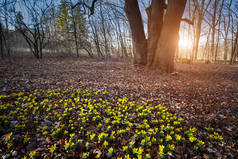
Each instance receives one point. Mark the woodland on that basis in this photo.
(119, 79)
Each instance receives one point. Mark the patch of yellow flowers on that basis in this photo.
(89, 118)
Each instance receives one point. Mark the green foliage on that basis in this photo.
(69, 19)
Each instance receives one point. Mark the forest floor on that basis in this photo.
(204, 95)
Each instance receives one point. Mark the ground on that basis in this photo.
(203, 95)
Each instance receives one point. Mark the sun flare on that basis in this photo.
(185, 43)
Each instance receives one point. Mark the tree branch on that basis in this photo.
(190, 22)
(91, 8)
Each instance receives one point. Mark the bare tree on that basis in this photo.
(168, 35)
(201, 9)
(33, 32)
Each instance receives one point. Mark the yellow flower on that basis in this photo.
(9, 145)
(92, 136)
(147, 156)
(192, 138)
(154, 140)
(66, 132)
(195, 147)
(171, 147)
(67, 145)
(52, 148)
(72, 136)
(26, 138)
(168, 137)
(87, 144)
(85, 155)
(8, 137)
(139, 156)
(72, 144)
(125, 148)
(132, 144)
(140, 151)
(105, 144)
(32, 154)
(98, 155)
(110, 150)
(200, 143)
(127, 156)
(135, 150)
(143, 142)
(178, 137)
(161, 149)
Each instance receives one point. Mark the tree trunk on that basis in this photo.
(167, 44)
(1, 41)
(213, 26)
(138, 35)
(155, 15)
(201, 12)
(103, 29)
(233, 53)
(218, 41)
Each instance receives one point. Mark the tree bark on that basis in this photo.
(137, 30)
(213, 27)
(233, 53)
(155, 22)
(201, 12)
(1, 42)
(167, 44)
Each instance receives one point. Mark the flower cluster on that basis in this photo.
(93, 124)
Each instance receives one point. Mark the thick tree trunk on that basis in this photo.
(155, 22)
(164, 55)
(138, 35)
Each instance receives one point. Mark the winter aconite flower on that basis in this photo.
(8, 137)
(125, 148)
(161, 151)
(110, 151)
(178, 137)
(85, 155)
(171, 147)
(192, 138)
(168, 138)
(32, 154)
(147, 156)
(105, 144)
(52, 149)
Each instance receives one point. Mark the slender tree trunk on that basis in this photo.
(233, 53)
(104, 32)
(7, 45)
(218, 41)
(232, 39)
(213, 26)
(167, 44)
(95, 38)
(206, 50)
(1, 41)
(75, 35)
(138, 35)
(198, 30)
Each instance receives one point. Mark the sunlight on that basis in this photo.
(185, 43)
